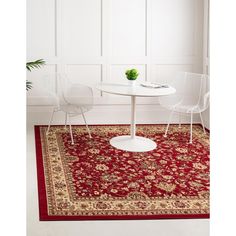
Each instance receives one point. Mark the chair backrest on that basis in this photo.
(194, 88)
(74, 94)
(191, 89)
(204, 100)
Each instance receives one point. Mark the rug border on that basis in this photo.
(42, 196)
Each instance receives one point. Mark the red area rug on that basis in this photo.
(91, 180)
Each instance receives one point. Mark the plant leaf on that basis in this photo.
(34, 64)
(28, 85)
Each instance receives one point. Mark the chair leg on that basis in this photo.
(171, 114)
(71, 134)
(49, 125)
(65, 119)
(86, 124)
(179, 120)
(203, 126)
(191, 129)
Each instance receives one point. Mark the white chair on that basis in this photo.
(73, 99)
(192, 97)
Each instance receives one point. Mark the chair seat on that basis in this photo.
(186, 109)
(74, 110)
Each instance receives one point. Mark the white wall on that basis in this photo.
(97, 40)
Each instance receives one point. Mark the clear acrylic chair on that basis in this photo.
(192, 97)
(73, 99)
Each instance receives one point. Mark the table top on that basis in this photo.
(135, 90)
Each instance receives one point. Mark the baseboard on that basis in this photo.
(109, 114)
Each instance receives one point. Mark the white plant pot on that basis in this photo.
(132, 82)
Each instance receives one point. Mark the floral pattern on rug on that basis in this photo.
(92, 178)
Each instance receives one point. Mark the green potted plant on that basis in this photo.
(132, 75)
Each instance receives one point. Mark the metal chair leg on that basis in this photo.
(171, 114)
(191, 129)
(65, 119)
(71, 134)
(49, 125)
(179, 120)
(203, 126)
(86, 124)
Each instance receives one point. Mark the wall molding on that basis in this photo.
(105, 59)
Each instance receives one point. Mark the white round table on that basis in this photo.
(132, 142)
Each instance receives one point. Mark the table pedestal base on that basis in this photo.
(137, 144)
